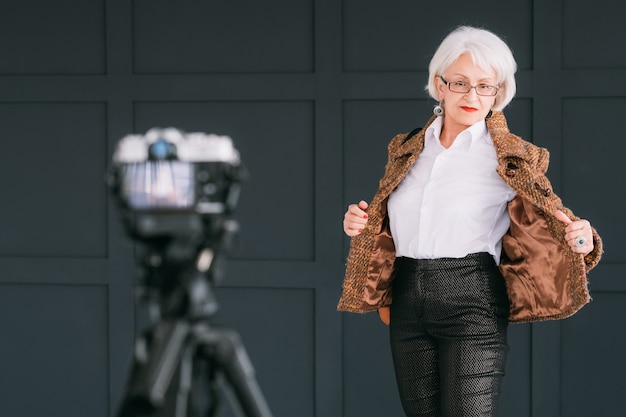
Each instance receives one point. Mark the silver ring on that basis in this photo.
(581, 242)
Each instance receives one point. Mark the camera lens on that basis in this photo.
(162, 150)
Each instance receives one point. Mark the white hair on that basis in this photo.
(488, 52)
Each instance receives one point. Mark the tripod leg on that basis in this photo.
(151, 375)
(204, 399)
(185, 381)
(214, 390)
(233, 362)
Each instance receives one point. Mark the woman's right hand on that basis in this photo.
(355, 219)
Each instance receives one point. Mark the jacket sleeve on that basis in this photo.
(593, 257)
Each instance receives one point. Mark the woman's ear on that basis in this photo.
(501, 91)
(440, 86)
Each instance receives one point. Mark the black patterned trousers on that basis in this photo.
(448, 332)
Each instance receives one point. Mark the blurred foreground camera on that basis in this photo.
(170, 183)
(177, 193)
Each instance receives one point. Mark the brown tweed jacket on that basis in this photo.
(545, 279)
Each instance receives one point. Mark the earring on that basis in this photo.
(438, 110)
(489, 114)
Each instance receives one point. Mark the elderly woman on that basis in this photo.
(467, 235)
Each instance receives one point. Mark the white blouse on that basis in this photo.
(452, 201)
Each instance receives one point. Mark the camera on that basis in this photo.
(177, 192)
(170, 183)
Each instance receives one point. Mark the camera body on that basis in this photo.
(175, 184)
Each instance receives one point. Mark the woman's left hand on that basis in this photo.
(577, 232)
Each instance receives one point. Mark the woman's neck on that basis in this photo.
(449, 134)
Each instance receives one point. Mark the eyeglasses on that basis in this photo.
(463, 87)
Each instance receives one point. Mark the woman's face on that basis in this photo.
(465, 109)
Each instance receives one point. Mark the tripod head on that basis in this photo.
(177, 192)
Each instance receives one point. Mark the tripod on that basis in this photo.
(209, 361)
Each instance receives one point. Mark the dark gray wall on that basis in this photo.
(310, 91)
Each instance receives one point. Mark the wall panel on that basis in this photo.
(516, 400)
(591, 358)
(54, 349)
(401, 35)
(368, 126)
(61, 37)
(591, 165)
(237, 36)
(594, 45)
(54, 171)
(368, 381)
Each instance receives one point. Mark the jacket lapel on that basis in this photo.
(508, 146)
